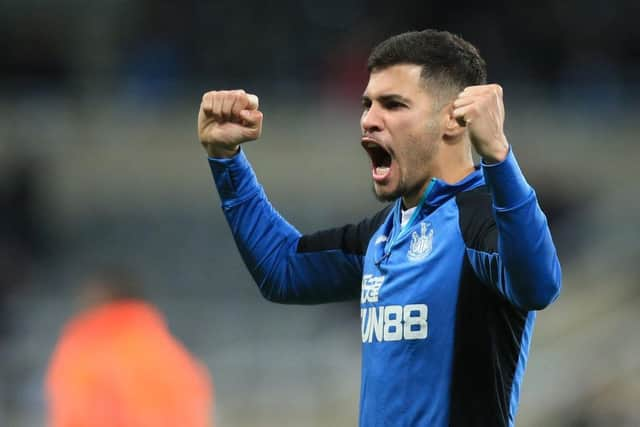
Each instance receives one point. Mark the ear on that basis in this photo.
(452, 129)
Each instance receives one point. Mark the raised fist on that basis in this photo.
(481, 110)
(227, 119)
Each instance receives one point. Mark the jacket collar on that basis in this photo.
(439, 191)
(436, 194)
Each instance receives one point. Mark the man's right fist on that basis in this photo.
(227, 119)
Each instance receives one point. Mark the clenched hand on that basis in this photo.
(227, 119)
(481, 109)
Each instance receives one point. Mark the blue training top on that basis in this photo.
(446, 302)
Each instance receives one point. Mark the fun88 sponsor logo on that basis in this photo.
(371, 288)
(390, 322)
(394, 323)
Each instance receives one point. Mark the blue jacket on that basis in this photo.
(447, 302)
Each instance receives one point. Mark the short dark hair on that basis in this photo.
(446, 59)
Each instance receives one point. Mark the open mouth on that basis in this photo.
(380, 159)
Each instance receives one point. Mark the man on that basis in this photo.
(117, 365)
(449, 274)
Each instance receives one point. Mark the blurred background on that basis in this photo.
(100, 164)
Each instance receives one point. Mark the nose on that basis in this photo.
(371, 120)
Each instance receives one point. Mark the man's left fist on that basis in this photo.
(481, 110)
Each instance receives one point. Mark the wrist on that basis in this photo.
(221, 152)
(498, 152)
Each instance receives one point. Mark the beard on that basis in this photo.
(385, 198)
(409, 187)
(401, 191)
(418, 156)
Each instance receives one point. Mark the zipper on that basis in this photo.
(404, 230)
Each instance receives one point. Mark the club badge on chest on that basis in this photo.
(421, 243)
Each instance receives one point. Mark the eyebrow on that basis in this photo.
(386, 98)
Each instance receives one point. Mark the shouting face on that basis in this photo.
(400, 132)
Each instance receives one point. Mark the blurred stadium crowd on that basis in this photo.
(150, 48)
(99, 163)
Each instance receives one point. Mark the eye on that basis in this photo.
(366, 103)
(393, 105)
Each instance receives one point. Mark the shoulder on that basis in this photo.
(350, 238)
(476, 220)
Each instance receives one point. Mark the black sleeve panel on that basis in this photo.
(477, 223)
(351, 238)
(487, 346)
(488, 328)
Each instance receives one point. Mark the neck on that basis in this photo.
(451, 164)
(453, 161)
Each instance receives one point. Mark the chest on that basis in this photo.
(417, 264)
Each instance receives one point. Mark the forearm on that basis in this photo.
(532, 274)
(268, 243)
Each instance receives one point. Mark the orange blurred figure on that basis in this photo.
(117, 365)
